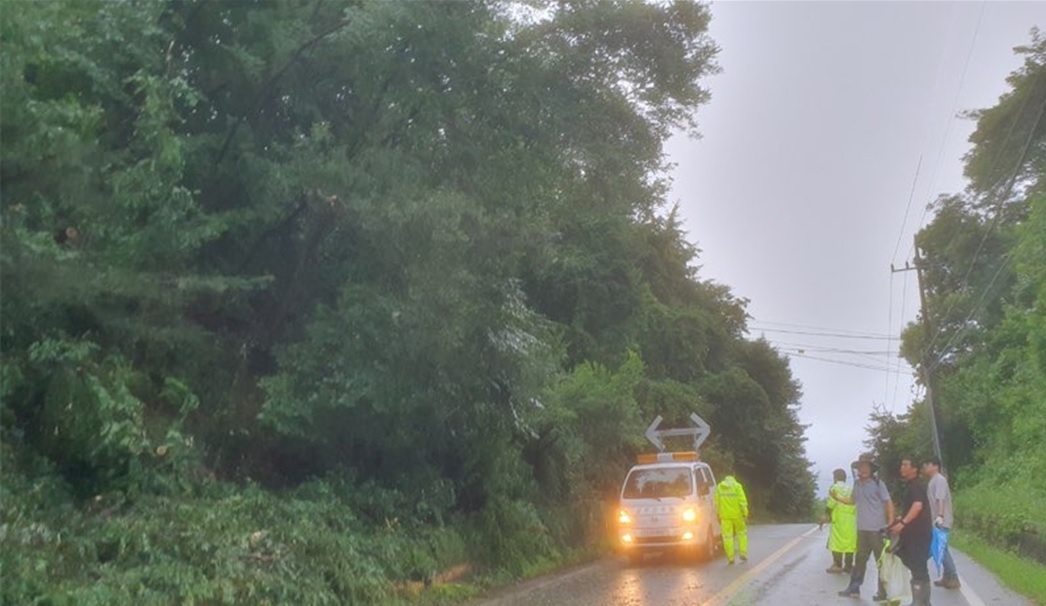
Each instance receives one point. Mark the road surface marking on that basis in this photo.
(967, 592)
(743, 580)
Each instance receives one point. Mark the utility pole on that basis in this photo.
(928, 366)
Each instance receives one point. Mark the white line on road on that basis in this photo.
(743, 580)
(967, 592)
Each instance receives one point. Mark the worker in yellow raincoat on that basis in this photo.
(842, 539)
(732, 505)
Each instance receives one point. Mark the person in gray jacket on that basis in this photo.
(874, 511)
(943, 517)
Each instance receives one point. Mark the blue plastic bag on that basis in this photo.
(938, 545)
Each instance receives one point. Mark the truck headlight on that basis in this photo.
(623, 517)
(689, 515)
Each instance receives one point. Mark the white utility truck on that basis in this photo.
(668, 499)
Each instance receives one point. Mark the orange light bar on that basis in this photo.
(667, 457)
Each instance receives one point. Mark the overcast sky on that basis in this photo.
(798, 189)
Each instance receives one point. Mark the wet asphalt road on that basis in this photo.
(786, 567)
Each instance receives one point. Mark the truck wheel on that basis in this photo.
(709, 548)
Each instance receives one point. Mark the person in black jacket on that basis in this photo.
(915, 528)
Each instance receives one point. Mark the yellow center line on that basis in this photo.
(741, 581)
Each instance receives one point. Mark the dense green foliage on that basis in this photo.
(984, 257)
(301, 297)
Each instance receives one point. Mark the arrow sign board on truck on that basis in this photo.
(700, 432)
(654, 434)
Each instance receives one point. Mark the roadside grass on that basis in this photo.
(1022, 575)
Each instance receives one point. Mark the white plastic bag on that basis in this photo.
(896, 578)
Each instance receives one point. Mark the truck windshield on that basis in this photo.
(657, 483)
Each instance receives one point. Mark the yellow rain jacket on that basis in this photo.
(730, 499)
(843, 537)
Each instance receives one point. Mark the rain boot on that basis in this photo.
(837, 563)
(852, 590)
(926, 587)
(880, 593)
(920, 593)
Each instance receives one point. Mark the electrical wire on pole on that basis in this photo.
(1002, 191)
(893, 259)
(832, 335)
(844, 363)
(842, 331)
(929, 376)
(926, 370)
(1000, 202)
(977, 307)
(952, 114)
(896, 384)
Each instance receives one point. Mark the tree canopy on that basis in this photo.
(421, 249)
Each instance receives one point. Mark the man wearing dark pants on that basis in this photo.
(916, 530)
(874, 510)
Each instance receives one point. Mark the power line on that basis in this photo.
(904, 297)
(964, 327)
(927, 375)
(825, 334)
(1002, 199)
(928, 367)
(1000, 202)
(842, 357)
(817, 328)
(911, 196)
(951, 119)
(889, 307)
(820, 348)
(893, 259)
(922, 219)
(848, 363)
